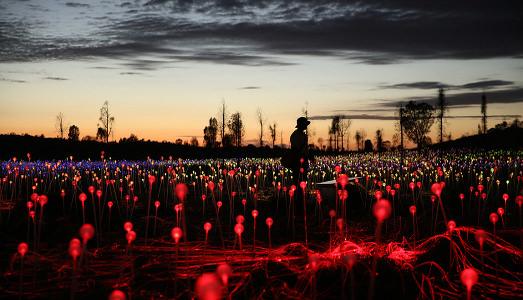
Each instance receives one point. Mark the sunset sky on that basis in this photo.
(165, 66)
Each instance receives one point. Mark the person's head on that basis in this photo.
(302, 123)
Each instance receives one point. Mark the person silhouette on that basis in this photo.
(300, 147)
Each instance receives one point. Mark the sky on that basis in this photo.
(166, 66)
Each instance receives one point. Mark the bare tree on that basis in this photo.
(357, 137)
(379, 140)
(261, 120)
(335, 130)
(344, 128)
(106, 120)
(222, 121)
(236, 129)
(363, 135)
(484, 112)
(442, 108)
(272, 130)
(60, 127)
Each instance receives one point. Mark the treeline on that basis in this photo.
(41, 148)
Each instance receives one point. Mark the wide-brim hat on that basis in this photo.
(302, 122)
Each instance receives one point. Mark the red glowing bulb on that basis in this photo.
(461, 196)
(99, 193)
(238, 228)
(494, 218)
(62, 194)
(128, 226)
(224, 271)
(254, 213)
(505, 197)
(332, 213)
(91, 189)
(469, 277)
(34, 197)
(501, 211)
(117, 295)
(152, 179)
(436, 189)
(22, 249)
(87, 232)
(451, 225)
(378, 195)
(244, 201)
(480, 236)
(207, 226)
(303, 185)
(231, 173)
(210, 185)
(219, 204)
(269, 222)
(519, 200)
(382, 209)
(181, 190)
(32, 214)
(343, 179)
(110, 204)
(257, 173)
(397, 186)
(82, 197)
(340, 223)
(392, 193)
(42, 200)
(130, 236)
(412, 209)
(240, 219)
(30, 204)
(412, 185)
(176, 233)
(157, 204)
(480, 188)
(208, 287)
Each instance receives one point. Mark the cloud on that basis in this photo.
(486, 84)
(12, 80)
(250, 88)
(466, 99)
(56, 78)
(75, 4)
(262, 32)
(430, 85)
(424, 85)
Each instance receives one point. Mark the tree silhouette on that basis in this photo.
(484, 112)
(101, 134)
(106, 120)
(74, 133)
(210, 133)
(194, 142)
(344, 128)
(261, 120)
(417, 120)
(335, 130)
(357, 137)
(222, 122)
(368, 146)
(236, 129)
(379, 140)
(442, 108)
(272, 130)
(60, 127)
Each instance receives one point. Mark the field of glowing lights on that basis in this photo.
(440, 225)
